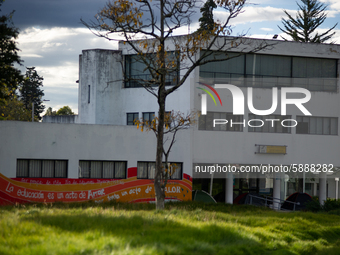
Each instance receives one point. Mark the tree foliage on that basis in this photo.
(148, 28)
(66, 110)
(207, 20)
(10, 77)
(50, 112)
(31, 92)
(303, 27)
(14, 109)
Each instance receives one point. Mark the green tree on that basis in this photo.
(303, 27)
(207, 20)
(66, 110)
(10, 77)
(159, 20)
(50, 112)
(31, 92)
(14, 109)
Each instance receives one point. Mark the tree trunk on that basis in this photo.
(158, 182)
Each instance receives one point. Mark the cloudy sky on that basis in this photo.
(52, 36)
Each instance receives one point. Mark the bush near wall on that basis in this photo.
(330, 205)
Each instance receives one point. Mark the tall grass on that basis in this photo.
(183, 228)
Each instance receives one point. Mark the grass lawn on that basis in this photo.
(183, 228)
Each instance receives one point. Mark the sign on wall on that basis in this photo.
(79, 190)
(271, 149)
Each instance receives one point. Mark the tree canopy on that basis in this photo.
(66, 110)
(310, 16)
(10, 76)
(207, 20)
(31, 92)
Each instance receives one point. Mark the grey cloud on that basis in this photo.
(51, 13)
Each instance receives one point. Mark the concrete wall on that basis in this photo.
(60, 119)
(100, 80)
(109, 100)
(74, 142)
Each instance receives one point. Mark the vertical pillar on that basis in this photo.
(322, 188)
(315, 186)
(276, 192)
(337, 188)
(229, 189)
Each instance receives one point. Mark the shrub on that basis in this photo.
(331, 204)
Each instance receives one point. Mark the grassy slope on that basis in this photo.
(184, 228)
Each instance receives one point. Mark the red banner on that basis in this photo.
(40, 190)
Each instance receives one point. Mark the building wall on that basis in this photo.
(74, 142)
(109, 100)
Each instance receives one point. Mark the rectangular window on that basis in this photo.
(146, 170)
(137, 73)
(96, 169)
(148, 116)
(130, 117)
(89, 94)
(41, 168)
(231, 70)
(232, 122)
(267, 71)
(269, 123)
(317, 125)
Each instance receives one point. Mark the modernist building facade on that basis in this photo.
(302, 148)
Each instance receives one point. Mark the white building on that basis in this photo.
(252, 142)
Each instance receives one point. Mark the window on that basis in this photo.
(146, 170)
(89, 95)
(270, 124)
(102, 169)
(130, 117)
(267, 71)
(317, 125)
(137, 74)
(39, 168)
(234, 122)
(148, 116)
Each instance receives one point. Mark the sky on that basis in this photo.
(52, 36)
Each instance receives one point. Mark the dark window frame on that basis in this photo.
(129, 123)
(151, 116)
(245, 79)
(153, 162)
(133, 83)
(318, 117)
(41, 168)
(102, 169)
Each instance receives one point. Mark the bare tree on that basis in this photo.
(148, 28)
(173, 122)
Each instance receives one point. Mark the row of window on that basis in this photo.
(132, 116)
(147, 116)
(146, 170)
(259, 70)
(36, 168)
(41, 168)
(268, 124)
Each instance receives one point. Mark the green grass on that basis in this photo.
(183, 228)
